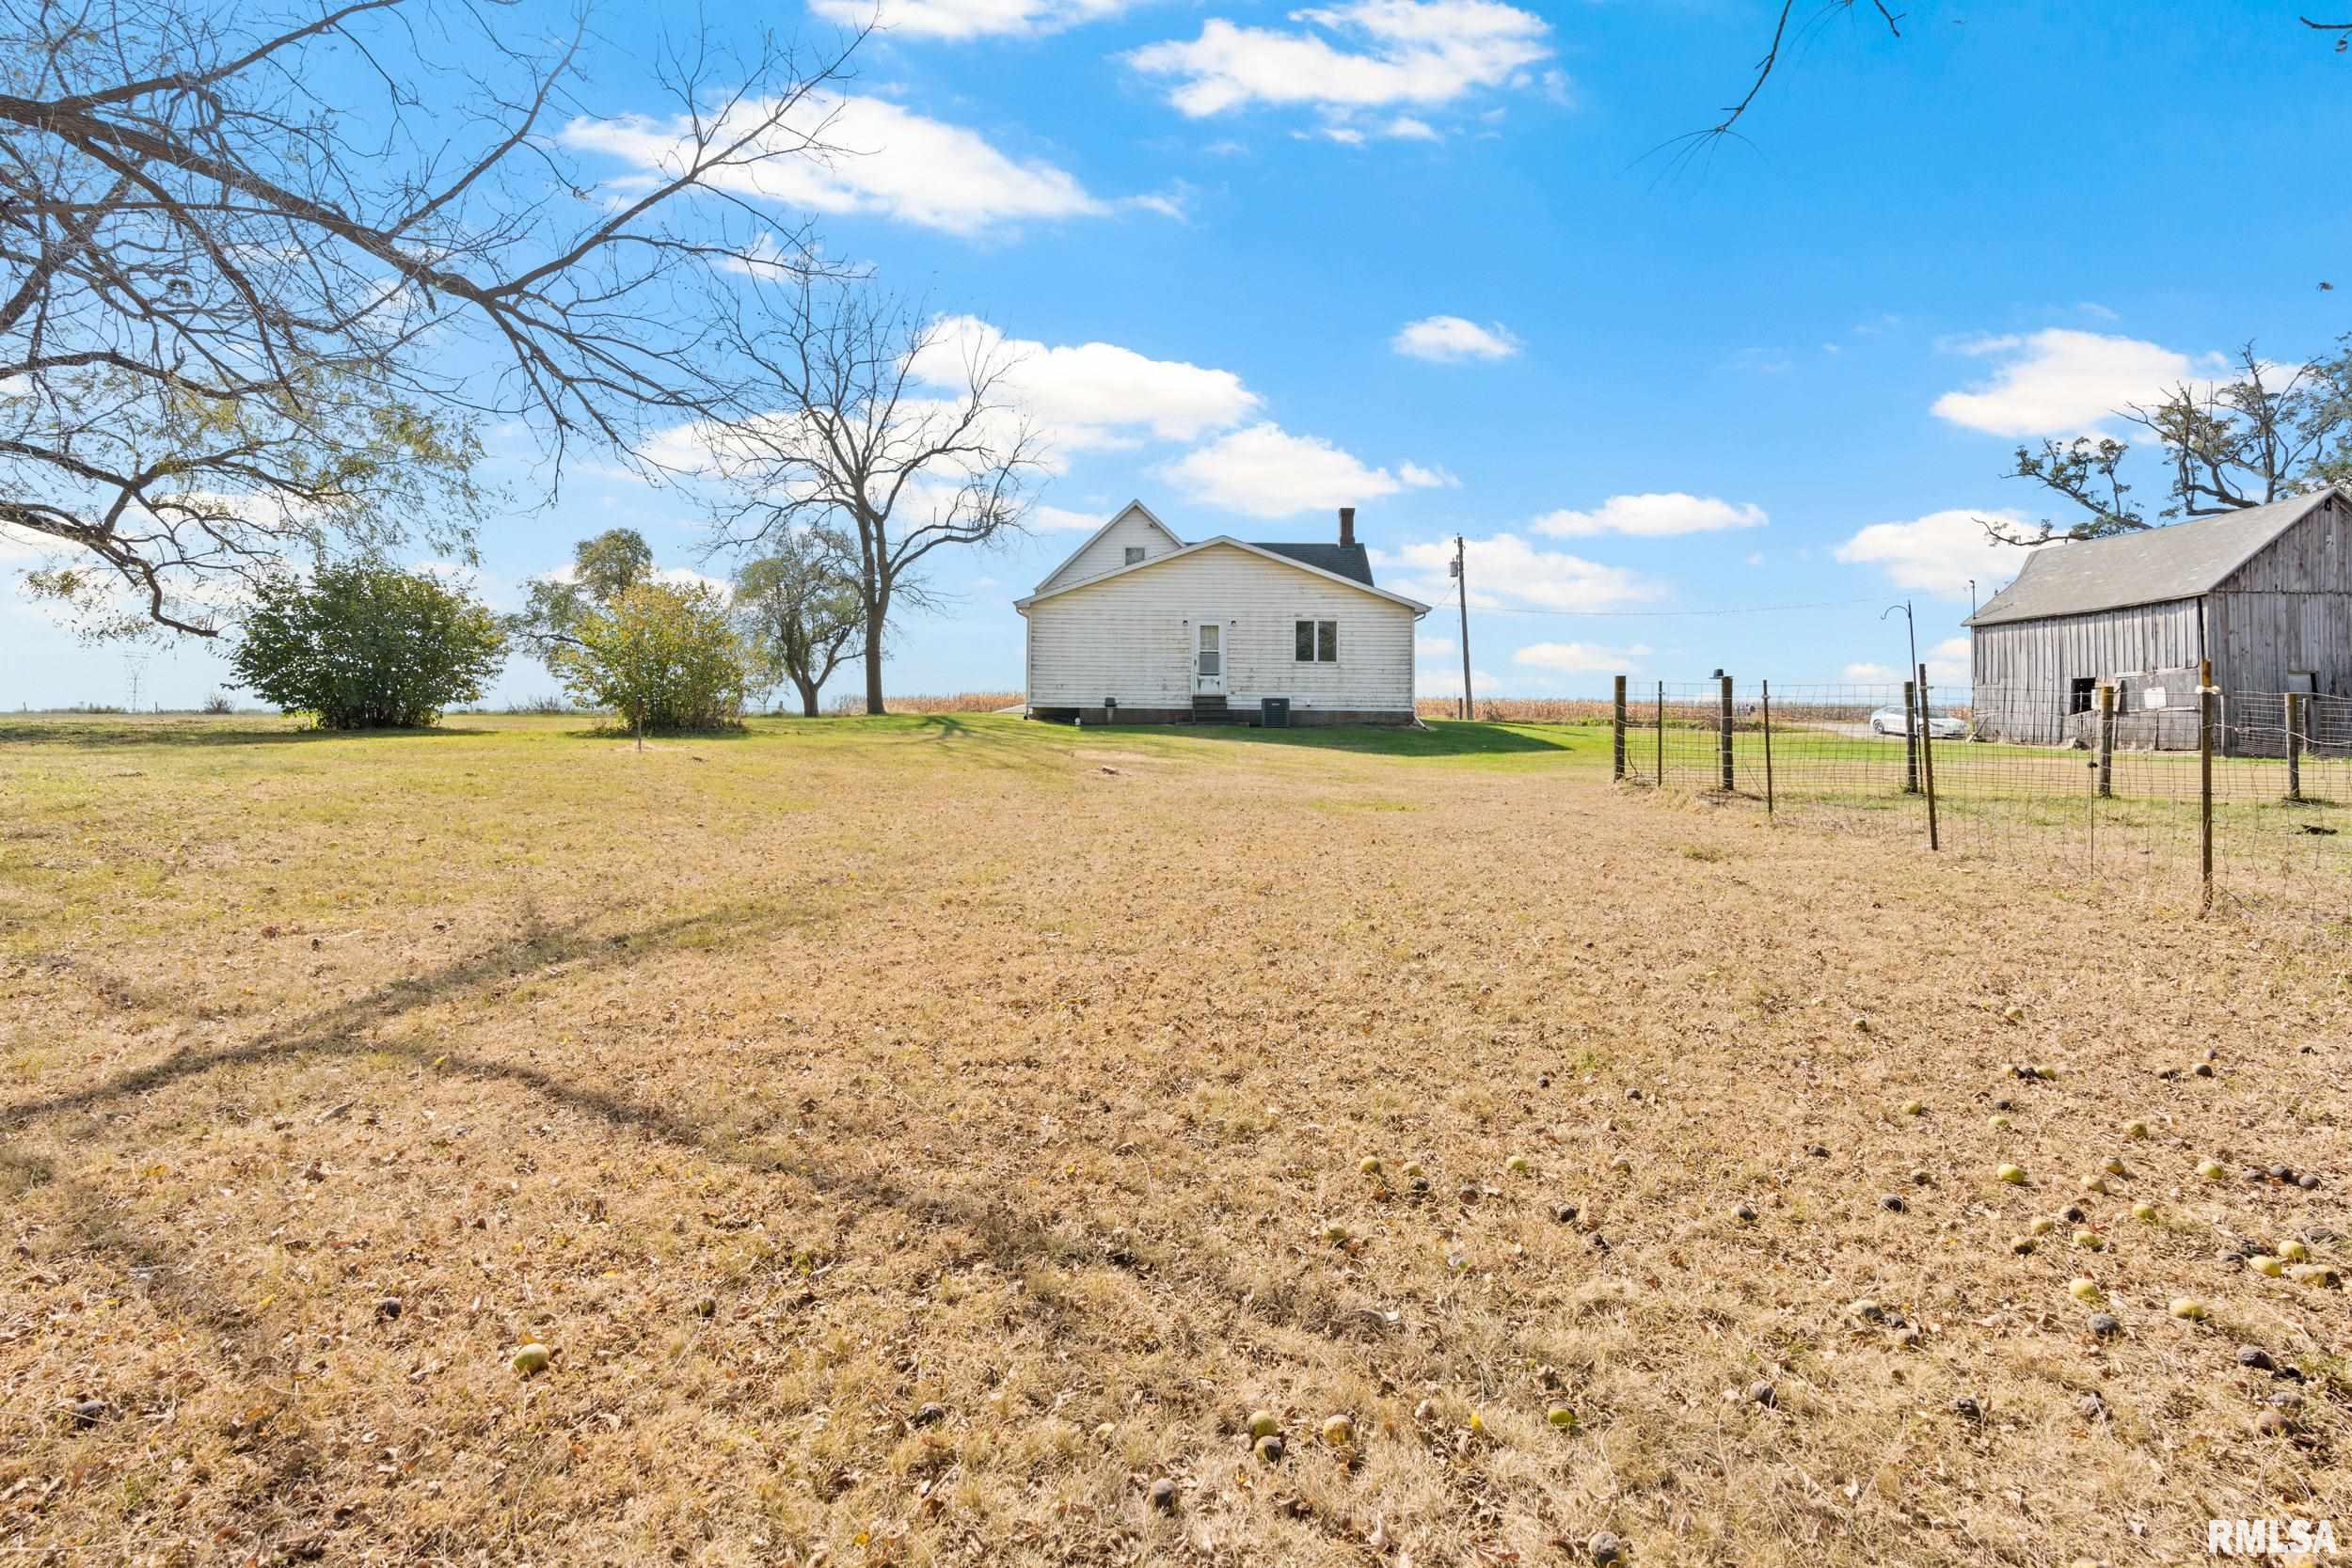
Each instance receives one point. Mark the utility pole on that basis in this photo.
(1461, 598)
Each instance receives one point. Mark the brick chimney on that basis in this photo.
(1347, 525)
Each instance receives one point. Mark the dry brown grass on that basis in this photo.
(1520, 710)
(850, 703)
(1020, 1072)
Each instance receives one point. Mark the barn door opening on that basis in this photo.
(1208, 660)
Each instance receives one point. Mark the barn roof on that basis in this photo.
(2162, 563)
(1341, 560)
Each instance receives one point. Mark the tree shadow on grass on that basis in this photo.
(356, 1028)
(1453, 738)
(94, 734)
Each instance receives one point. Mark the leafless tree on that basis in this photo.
(266, 276)
(881, 429)
(2264, 433)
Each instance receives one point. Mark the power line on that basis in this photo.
(1624, 614)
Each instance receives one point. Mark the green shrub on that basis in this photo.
(660, 656)
(365, 645)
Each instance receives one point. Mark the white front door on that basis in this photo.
(1208, 658)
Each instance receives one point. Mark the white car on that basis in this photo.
(1940, 726)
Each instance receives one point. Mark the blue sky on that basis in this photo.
(1421, 256)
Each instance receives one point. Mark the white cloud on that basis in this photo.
(2064, 382)
(1450, 339)
(958, 21)
(1077, 397)
(1062, 520)
(1266, 471)
(1949, 662)
(1939, 553)
(1091, 394)
(1364, 54)
(1580, 658)
(1406, 128)
(1756, 558)
(24, 545)
(1507, 572)
(1431, 647)
(1427, 479)
(1869, 674)
(891, 162)
(1446, 680)
(1651, 517)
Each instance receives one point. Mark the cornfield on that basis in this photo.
(1520, 710)
(851, 703)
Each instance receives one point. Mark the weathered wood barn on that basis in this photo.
(2265, 594)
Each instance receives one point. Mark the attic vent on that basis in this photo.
(1134, 553)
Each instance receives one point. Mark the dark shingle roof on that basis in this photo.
(1347, 560)
(2177, 563)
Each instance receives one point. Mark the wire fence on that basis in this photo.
(2177, 791)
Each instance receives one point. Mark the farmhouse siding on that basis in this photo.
(1132, 639)
(1108, 552)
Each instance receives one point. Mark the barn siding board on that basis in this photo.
(1130, 638)
(2023, 671)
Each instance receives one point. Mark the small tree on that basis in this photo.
(662, 658)
(801, 612)
(366, 646)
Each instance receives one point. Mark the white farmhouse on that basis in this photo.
(1140, 627)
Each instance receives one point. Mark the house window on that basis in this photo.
(1134, 553)
(1318, 643)
(2081, 693)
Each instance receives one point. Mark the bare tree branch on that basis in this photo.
(877, 431)
(245, 315)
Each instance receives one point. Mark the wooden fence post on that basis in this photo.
(1723, 731)
(2295, 711)
(1768, 748)
(1911, 740)
(2205, 785)
(1662, 735)
(2106, 742)
(1616, 733)
(1927, 756)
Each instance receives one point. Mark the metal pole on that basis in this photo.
(1662, 735)
(1616, 732)
(1768, 748)
(1911, 738)
(1723, 731)
(2106, 742)
(1461, 585)
(2204, 784)
(1927, 756)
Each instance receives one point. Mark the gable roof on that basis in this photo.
(1363, 585)
(2181, 562)
(1117, 517)
(1346, 561)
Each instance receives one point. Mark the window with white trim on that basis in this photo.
(1315, 643)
